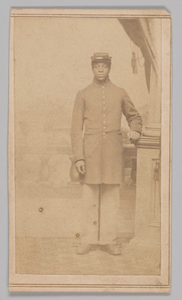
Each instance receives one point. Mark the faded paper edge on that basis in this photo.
(90, 289)
(162, 13)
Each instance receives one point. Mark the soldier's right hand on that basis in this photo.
(80, 166)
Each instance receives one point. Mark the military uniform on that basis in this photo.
(96, 138)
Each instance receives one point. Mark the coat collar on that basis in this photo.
(98, 83)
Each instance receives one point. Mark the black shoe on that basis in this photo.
(114, 249)
(85, 248)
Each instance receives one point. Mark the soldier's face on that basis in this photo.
(101, 71)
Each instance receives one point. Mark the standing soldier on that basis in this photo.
(97, 147)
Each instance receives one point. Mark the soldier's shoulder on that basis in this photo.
(86, 89)
(117, 88)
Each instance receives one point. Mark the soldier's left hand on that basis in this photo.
(134, 136)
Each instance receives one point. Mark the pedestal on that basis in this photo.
(147, 192)
(146, 243)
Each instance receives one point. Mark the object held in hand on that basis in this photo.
(80, 166)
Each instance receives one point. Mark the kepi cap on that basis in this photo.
(101, 57)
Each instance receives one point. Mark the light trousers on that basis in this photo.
(100, 206)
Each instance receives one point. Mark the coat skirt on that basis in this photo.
(103, 155)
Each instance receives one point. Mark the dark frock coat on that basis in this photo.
(96, 130)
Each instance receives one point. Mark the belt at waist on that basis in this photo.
(101, 132)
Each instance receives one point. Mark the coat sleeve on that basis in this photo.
(77, 128)
(132, 116)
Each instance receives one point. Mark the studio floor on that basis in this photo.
(58, 256)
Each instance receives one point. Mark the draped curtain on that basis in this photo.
(142, 33)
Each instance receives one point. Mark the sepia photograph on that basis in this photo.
(89, 149)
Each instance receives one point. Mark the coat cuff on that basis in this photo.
(137, 128)
(76, 158)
